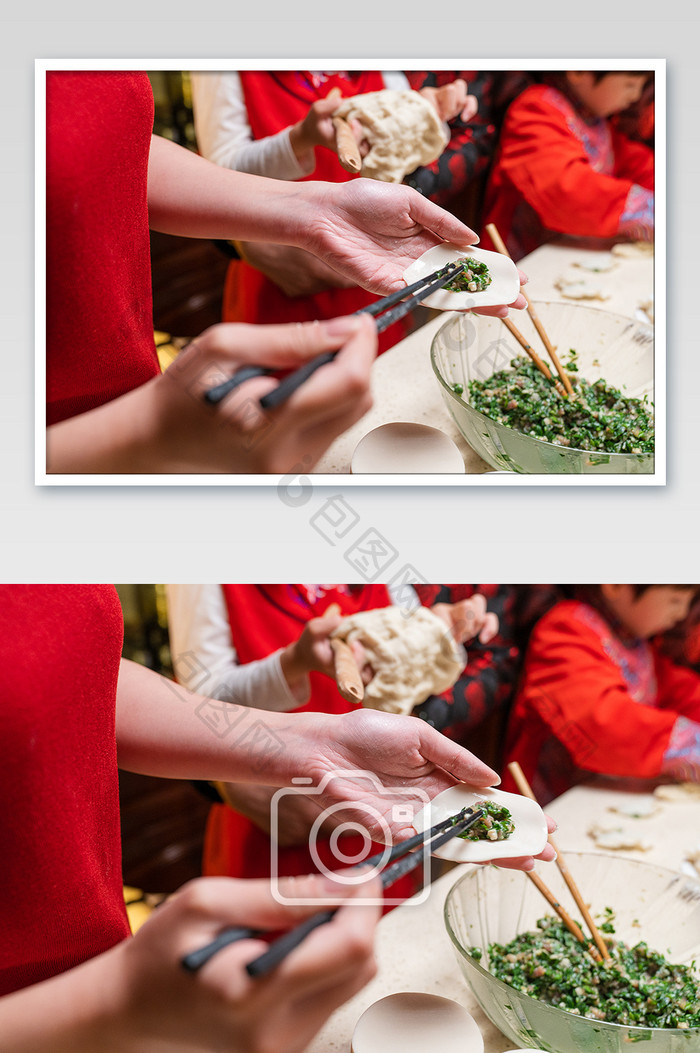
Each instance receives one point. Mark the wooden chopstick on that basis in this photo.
(542, 366)
(348, 150)
(501, 247)
(525, 788)
(424, 287)
(347, 675)
(346, 143)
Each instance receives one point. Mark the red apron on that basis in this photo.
(275, 101)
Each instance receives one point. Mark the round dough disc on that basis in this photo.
(412, 1022)
(403, 448)
(528, 838)
(505, 280)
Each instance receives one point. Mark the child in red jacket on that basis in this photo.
(564, 167)
(598, 697)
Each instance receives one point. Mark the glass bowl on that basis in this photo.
(473, 347)
(651, 903)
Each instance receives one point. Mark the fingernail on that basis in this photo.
(342, 326)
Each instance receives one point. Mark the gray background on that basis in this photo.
(239, 533)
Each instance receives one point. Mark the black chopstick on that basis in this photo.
(194, 961)
(425, 286)
(283, 946)
(416, 292)
(455, 824)
(215, 395)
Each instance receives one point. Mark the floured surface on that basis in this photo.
(402, 128)
(412, 652)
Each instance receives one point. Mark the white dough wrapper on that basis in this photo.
(530, 825)
(505, 280)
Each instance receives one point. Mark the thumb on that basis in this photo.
(460, 763)
(271, 904)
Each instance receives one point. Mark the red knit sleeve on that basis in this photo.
(633, 160)
(550, 168)
(579, 693)
(679, 688)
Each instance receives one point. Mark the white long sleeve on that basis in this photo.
(223, 132)
(204, 658)
(224, 135)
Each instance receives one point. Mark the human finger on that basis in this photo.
(337, 384)
(454, 759)
(490, 628)
(337, 949)
(278, 346)
(470, 108)
(440, 222)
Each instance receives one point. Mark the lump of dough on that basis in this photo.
(412, 652)
(402, 128)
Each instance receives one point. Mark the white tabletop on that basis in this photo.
(413, 949)
(404, 387)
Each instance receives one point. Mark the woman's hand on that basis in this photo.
(312, 651)
(452, 100)
(222, 1008)
(468, 619)
(368, 762)
(373, 231)
(166, 426)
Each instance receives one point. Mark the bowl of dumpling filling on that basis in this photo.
(518, 420)
(544, 989)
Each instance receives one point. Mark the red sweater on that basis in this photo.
(555, 172)
(99, 311)
(593, 703)
(61, 898)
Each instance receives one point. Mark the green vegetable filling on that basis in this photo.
(474, 278)
(637, 986)
(496, 824)
(597, 417)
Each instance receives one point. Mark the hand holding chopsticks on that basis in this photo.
(402, 858)
(386, 311)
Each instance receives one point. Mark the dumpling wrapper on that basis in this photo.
(411, 1022)
(528, 838)
(505, 280)
(401, 447)
(618, 838)
(585, 289)
(412, 652)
